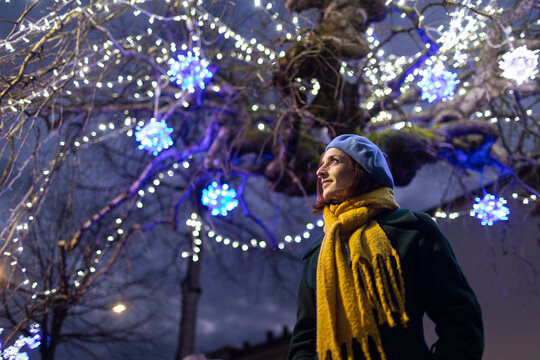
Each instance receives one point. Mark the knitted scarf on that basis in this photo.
(354, 299)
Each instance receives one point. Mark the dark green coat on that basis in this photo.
(434, 284)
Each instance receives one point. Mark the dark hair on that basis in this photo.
(361, 183)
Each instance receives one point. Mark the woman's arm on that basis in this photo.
(451, 303)
(304, 336)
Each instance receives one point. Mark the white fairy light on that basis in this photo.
(464, 27)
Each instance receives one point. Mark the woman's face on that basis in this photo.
(336, 172)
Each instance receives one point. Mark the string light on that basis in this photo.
(220, 199)
(438, 84)
(154, 136)
(197, 225)
(519, 64)
(490, 210)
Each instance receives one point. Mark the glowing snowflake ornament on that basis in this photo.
(490, 210)
(219, 199)
(438, 84)
(189, 72)
(519, 64)
(154, 136)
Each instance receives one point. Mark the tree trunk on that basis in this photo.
(49, 343)
(191, 292)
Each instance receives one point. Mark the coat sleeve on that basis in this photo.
(450, 301)
(303, 341)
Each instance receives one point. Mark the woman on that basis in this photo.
(367, 284)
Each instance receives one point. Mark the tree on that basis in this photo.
(64, 269)
(232, 93)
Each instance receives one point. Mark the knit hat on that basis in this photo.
(367, 155)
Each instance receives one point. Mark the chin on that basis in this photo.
(335, 197)
(330, 199)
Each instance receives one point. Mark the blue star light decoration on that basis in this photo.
(438, 84)
(220, 199)
(519, 64)
(490, 210)
(32, 341)
(189, 72)
(154, 136)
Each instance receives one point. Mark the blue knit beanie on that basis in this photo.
(367, 155)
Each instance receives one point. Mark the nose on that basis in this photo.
(321, 172)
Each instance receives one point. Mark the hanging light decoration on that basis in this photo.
(220, 199)
(519, 64)
(154, 136)
(189, 72)
(438, 84)
(465, 27)
(32, 341)
(490, 210)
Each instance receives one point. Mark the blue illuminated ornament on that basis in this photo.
(219, 199)
(489, 210)
(13, 352)
(154, 136)
(34, 339)
(519, 64)
(189, 72)
(438, 84)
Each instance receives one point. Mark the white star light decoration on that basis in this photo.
(519, 64)
(438, 84)
(220, 199)
(154, 136)
(13, 352)
(189, 72)
(490, 210)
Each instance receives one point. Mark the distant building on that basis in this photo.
(274, 348)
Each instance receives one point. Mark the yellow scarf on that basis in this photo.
(353, 300)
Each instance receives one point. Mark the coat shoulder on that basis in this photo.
(398, 219)
(405, 219)
(392, 220)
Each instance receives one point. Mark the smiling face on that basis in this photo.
(336, 173)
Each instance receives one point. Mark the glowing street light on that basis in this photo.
(119, 308)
